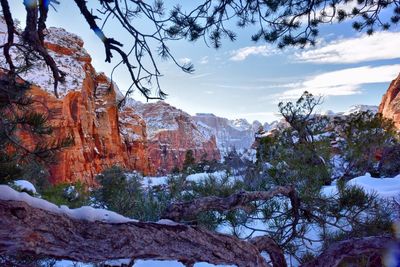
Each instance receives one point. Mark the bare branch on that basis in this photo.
(32, 37)
(10, 32)
(240, 200)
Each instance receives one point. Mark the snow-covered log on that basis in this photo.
(33, 231)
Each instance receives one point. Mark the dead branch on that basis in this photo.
(10, 35)
(33, 35)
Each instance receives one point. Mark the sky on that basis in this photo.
(244, 79)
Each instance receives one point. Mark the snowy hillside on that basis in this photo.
(229, 134)
(67, 51)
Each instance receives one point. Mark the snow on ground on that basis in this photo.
(83, 213)
(155, 181)
(383, 187)
(219, 175)
(196, 177)
(25, 185)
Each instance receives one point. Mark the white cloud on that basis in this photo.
(185, 60)
(341, 82)
(244, 52)
(204, 60)
(381, 45)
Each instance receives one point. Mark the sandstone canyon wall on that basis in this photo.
(171, 133)
(87, 111)
(390, 104)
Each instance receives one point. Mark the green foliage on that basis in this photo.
(298, 154)
(72, 195)
(364, 135)
(117, 192)
(125, 195)
(19, 160)
(222, 185)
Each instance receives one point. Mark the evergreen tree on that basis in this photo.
(19, 118)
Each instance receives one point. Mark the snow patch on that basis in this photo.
(83, 213)
(167, 222)
(25, 185)
(383, 187)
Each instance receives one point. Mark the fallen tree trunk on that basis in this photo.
(37, 232)
(29, 231)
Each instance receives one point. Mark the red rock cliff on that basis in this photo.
(86, 110)
(104, 136)
(390, 104)
(170, 133)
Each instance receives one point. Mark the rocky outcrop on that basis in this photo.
(171, 133)
(229, 134)
(390, 104)
(86, 111)
(149, 138)
(134, 135)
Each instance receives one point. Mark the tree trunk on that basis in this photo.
(351, 248)
(36, 232)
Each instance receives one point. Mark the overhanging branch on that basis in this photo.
(241, 200)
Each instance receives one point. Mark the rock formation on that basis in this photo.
(86, 111)
(230, 134)
(390, 104)
(103, 135)
(171, 133)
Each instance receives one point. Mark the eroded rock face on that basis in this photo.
(390, 104)
(230, 134)
(150, 138)
(86, 111)
(170, 133)
(90, 117)
(134, 136)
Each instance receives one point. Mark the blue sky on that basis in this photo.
(244, 79)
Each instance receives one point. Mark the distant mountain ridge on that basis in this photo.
(229, 134)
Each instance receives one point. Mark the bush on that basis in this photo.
(125, 194)
(72, 195)
(364, 136)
